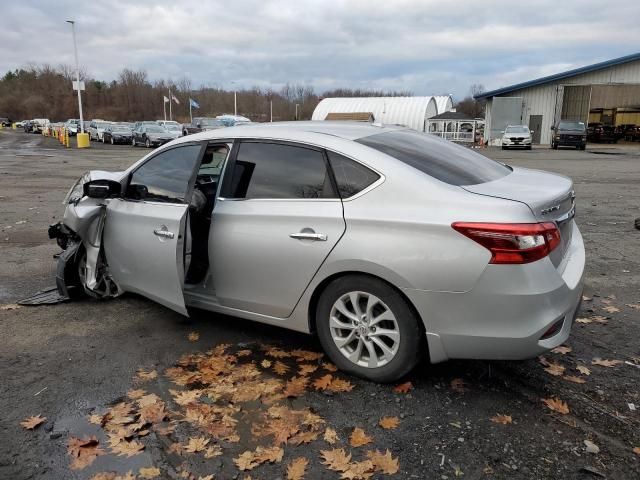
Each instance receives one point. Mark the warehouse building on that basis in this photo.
(412, 112)
(606, 92)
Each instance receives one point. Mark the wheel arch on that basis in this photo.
(320, 287)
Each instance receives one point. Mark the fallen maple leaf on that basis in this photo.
(127, 448)
(330, 436)
(193, 336)
(562, 349)
(33, 422)
(502, 419)
(83, 451)
(635, 306)
(104, 476)
(214, 451)
(196, 444)
(149, 472)
(611, 309)
(280, 368)
(265, 363)
(403, 387)
(555, 369)
(384, 462)
(323, 382)
(145, 375)
(586, 299)
(359, 437)
(336, 459)
(583, 320)
(136, 394)
(248, 460)
(457, 385)
(306, 369)
(389, 423)
(606, 363)
(277, 353)
(556, 405)
(340, 385)
(358, 471)
(303, 437)
(296, 387)
(574, 379)
(186, 397)
(329, 367)
(306, 355)
(636, 450)
(296, 468)
(583, 370)
(244, 353)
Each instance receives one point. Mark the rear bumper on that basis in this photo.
(509, 310)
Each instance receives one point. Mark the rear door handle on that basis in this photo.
(163, 232)
(321, 237)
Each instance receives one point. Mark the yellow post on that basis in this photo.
(66, 138)
(82, 140)
(13, 126)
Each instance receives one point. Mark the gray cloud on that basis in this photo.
(428, 47)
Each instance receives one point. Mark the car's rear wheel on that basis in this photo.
(147, 143)
(133, 141)
(368, 329)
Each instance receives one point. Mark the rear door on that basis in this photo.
(144, 231)
(277, 219)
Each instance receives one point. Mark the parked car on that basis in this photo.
(598, 132)
(117, 133)
(627, 131)
(568, 133)
(96, 130)
(20, 124)
(5, 122)
(27, 125)
(386, 242)
(201, 124)
(151, 135)
(233, 120)
(73, 126)
(174, 128)
(39, 124)
(516, 136)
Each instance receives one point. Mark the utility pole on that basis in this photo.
(75, 52)
(170, 100)
(235, 98)
(297, 111)
(271, 110)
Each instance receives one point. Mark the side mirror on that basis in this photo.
(552, 127)
(199, 125)
(531, 132)
(102, 189)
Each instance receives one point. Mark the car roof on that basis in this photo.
(296, 130)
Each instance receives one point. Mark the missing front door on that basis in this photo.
(535, 124)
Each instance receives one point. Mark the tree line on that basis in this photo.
(45, 92)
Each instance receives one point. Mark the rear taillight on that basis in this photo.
(513, 243)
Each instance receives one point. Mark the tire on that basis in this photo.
(133, 142)
(404, 352)
(503, 147)
(554, 146)
(528, 147)
(583, 147)
(147, 143)
(112, 141)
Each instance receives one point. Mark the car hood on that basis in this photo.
(522, 135)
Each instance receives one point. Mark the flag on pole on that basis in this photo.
(165, 99)
(193, 103)
(173, 97)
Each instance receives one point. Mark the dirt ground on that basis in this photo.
(72, 360)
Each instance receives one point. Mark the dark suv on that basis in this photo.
(569, 133)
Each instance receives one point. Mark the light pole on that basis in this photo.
(235, 98)
(297, 111)
(75, 52)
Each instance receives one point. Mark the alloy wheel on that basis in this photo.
(364, 329)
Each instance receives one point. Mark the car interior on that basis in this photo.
(200, 211)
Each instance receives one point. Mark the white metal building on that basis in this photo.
(606, 92)
(412, 112)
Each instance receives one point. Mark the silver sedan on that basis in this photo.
(387, 243)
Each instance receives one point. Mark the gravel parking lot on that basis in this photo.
(469, 419)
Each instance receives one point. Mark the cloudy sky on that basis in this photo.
(427, 47)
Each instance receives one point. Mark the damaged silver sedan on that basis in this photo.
(387, 243)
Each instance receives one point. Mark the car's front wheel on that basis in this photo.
(368, 329)
(147, 143)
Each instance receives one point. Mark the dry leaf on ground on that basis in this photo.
(606, 363)
(265, 363)
(583, 370)
(562, 349)
(296, 387)
(248, 460)
(611, 309)
(457, 385)
(329, 367)
(193, 336)
(574, 379)
(635, 306)
(555, 369)
(83, 451)
(296, 468)
(384, 462)
(149, 472)
(328, 382)
(33, 422)
(127, 448)
(502, 419)
(556, 405)
(359, 437)
(196, 444)
(280, 368)
(403, 387)
(358, 471)
(389, 423)
(306, 369)
(136, 394)
(330, 436)
(9, 306)
(591, 447)
(145, 375)
(636, 450)
(336, 459)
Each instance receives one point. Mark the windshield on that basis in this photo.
(212, 122)
(101, 125)
(579, 126)
(120, 128)
(438, 158)
(175, 128)
(155, 129)
(517, 129)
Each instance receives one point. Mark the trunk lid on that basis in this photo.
(549, 196)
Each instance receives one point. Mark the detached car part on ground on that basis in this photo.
(385, 242)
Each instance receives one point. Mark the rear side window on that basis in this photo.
(351, 177)
(272, 170)
(438, 158)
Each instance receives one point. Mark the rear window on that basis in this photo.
(438, 158)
